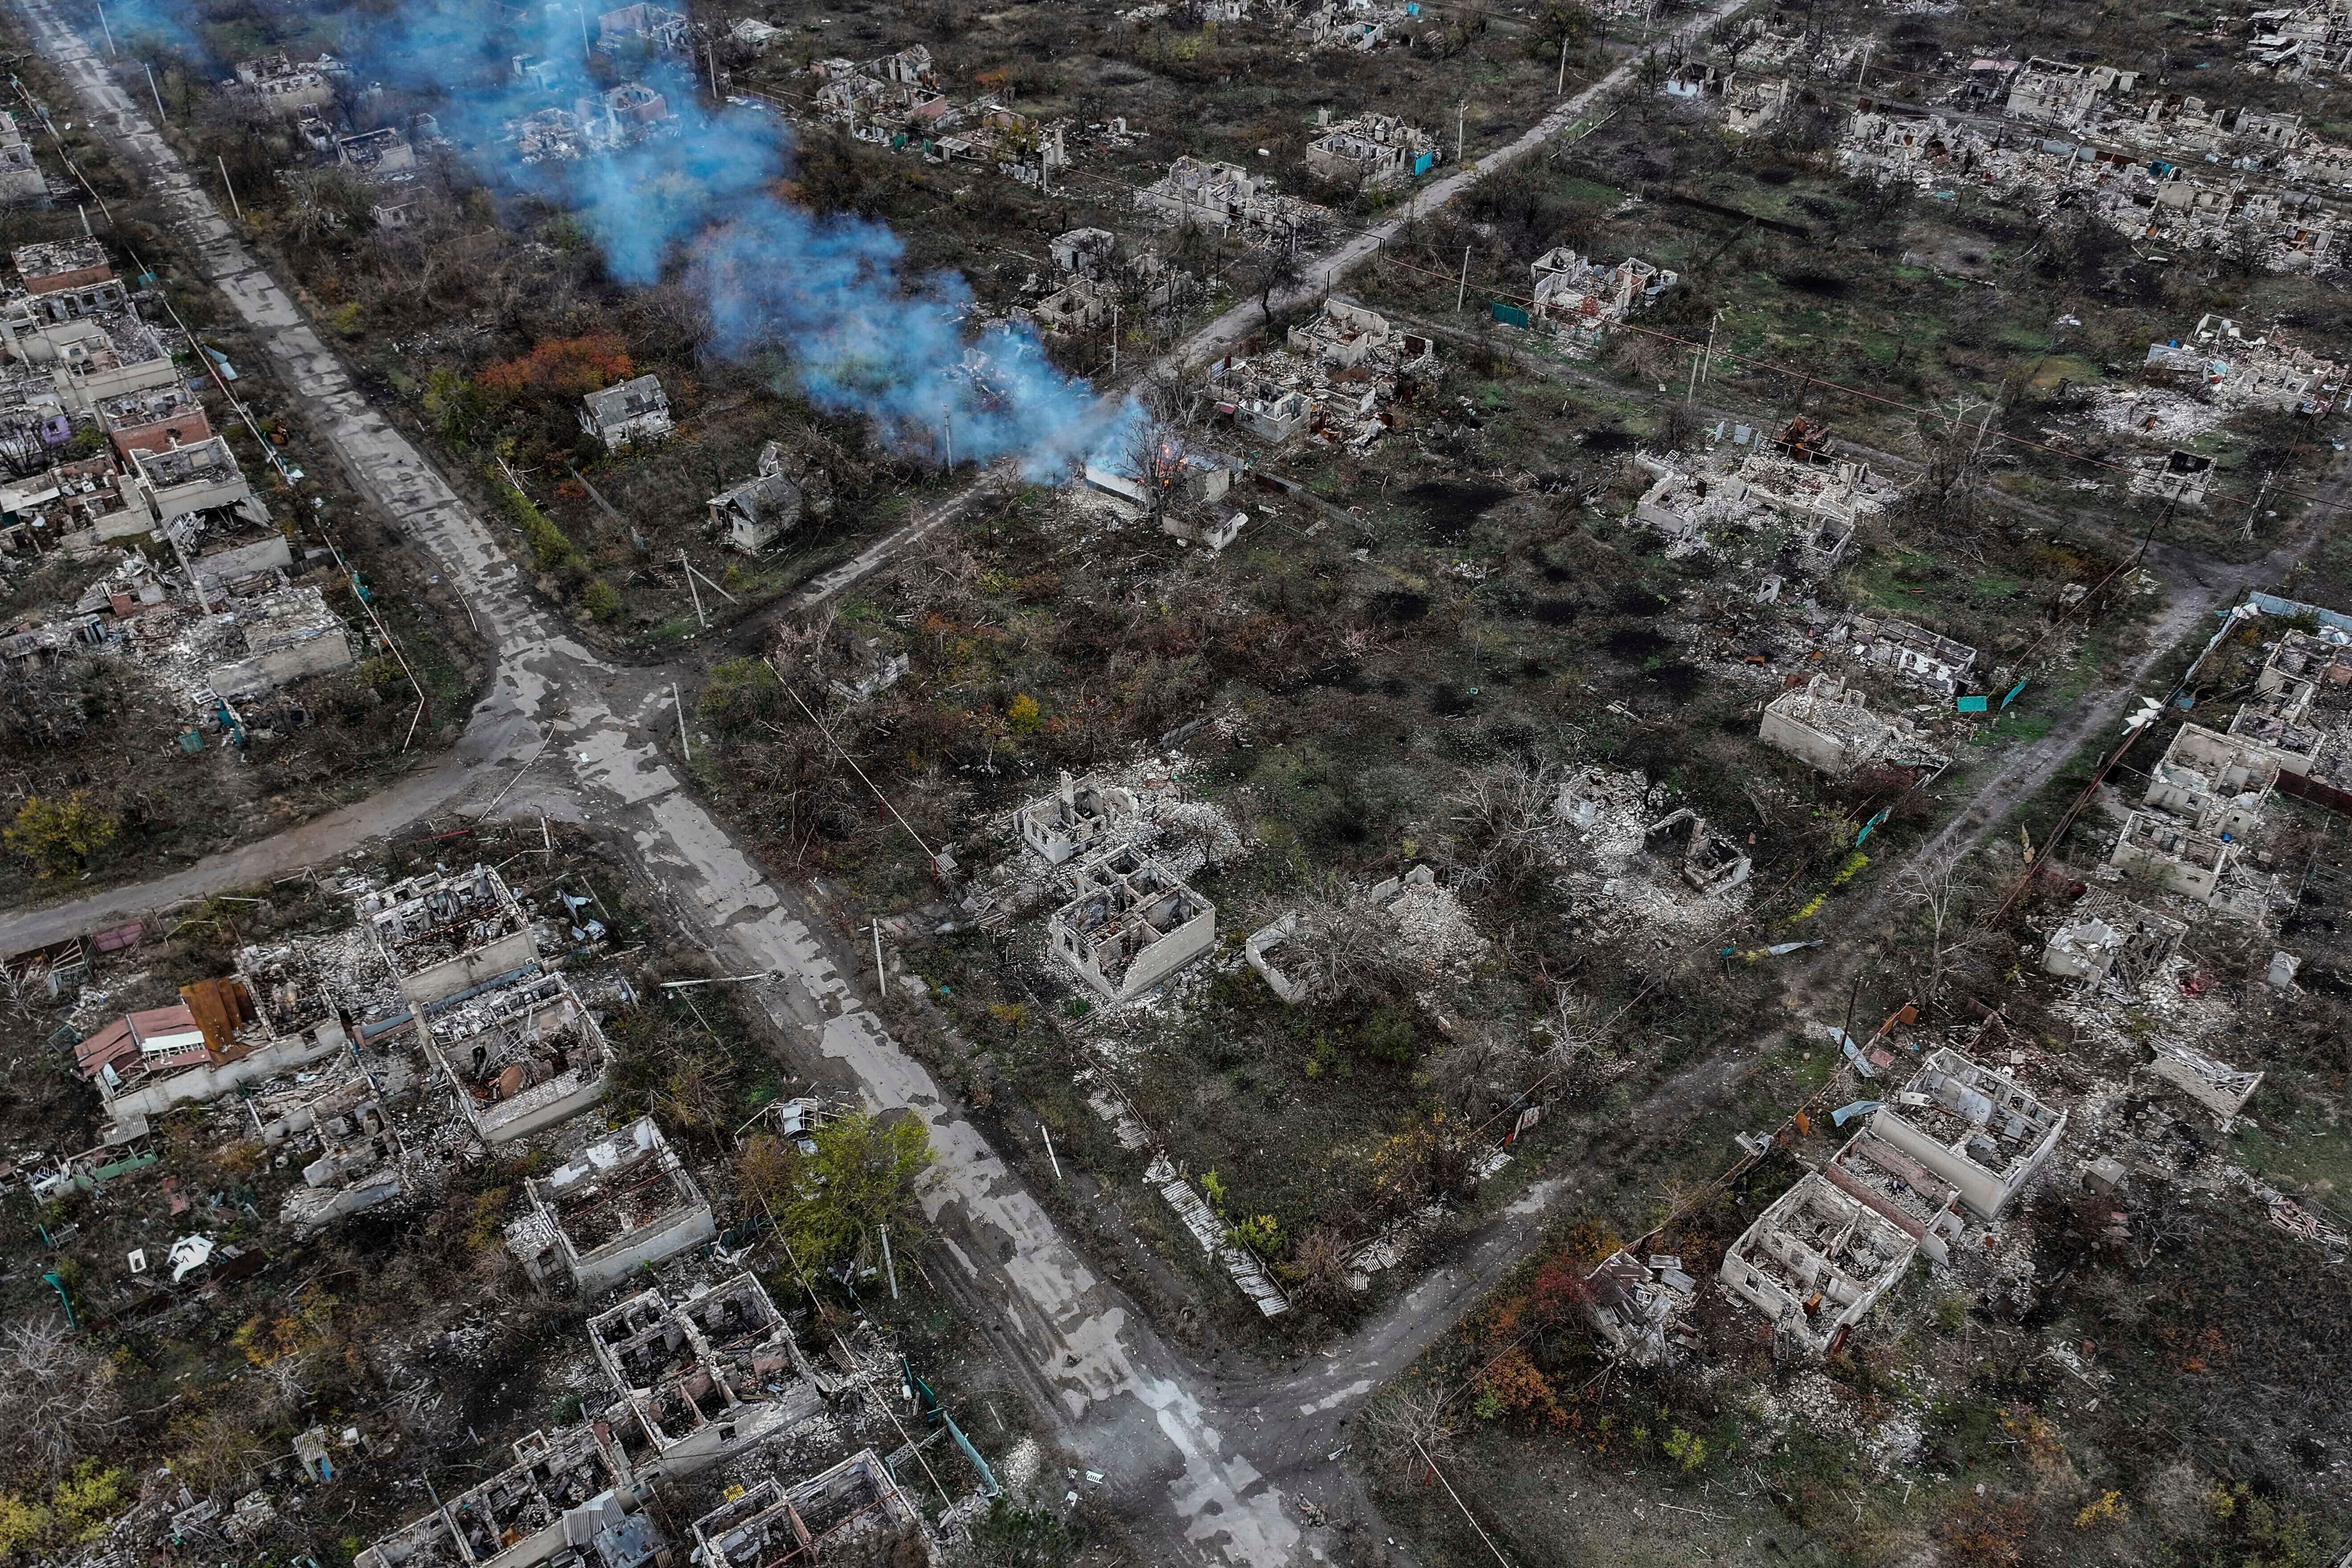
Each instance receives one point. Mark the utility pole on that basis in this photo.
(104, 28)
(710, 51)
(1560, 89)
(1114, 340)
(950, 443)
(234, 204)
(1708, 374)
(158, 91)
(1460, 118)
(1858, 76)
(887, 1263)
(1462, 290)
(2261, 490)
(583, 9)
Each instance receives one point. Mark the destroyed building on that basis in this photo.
(1973, 1126)
(155, 420)
(2176, 476)
(1828, 726)
(1750, 105)
(847, 1510)
(450, 934)
(360, 1161)
(1788, 482)
(1392, 898)
(2172, 855)
(627, 413)
(1084, 251)
(1899, 1189)
(218, 1036)
(273, 639)
(707, 1378)
(1816, 1261)
(522, 1057)
(1079, 305)
(21, 180)
(378, 154)
(1227, 197)
(754, 514)
(2050, 92)
(1077, 819)
(1371, 150)
(2117, 941)
(1638, 1309)
(1350, 337)
(1581, 301)
(623, 1201)
(1710, 862)
(284, 86)
(568, 1499)
(643, 25)
(67, 277)
(1129, 923)
(2238, 372)
(1926, 657)
(1014, 145)
(2214, 783)
(2212, 1083)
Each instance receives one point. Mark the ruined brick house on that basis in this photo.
(623, 1201)
(754, 514)
(1371, 150)
(627, 413)
(1127, 923)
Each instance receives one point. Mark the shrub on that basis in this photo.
(548, 544)
(601, 600)
(559, 368)
(740, 693)
(58, 838)
(1023, 716)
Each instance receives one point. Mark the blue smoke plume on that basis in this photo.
(830, 294)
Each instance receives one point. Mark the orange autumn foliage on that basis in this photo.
(559, 367)
(1519, 1387)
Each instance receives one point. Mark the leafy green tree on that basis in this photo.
(58, 838)
(861, 1175)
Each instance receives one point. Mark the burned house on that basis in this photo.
(1788, 483)
(382, 153)
(1078, 818)
(1826, 724)
(78, 505)
(1816, 1261)
(759, 510)
(204, 504)
(622, 1201)
(1129, 923)
(2237, 371)
(627, 413)
(2173, 856)
(1014, 145)
(1084, 251)
(361, 1163)
(1905, 1192)
(1350, 337)
(1370, 151)
(1750, 105)
(90, 359)
(1711, 862)
(1228, 197)
(1079, 305)
(2049, 92)
(284, 85)
(1975, 1128)
(2214, 783)
(2117, 940)
(448, 935)
(707, 1378)
(850, 1510)
(894, 95)
(1257, 401)
(522, 1057)
(569, 1499)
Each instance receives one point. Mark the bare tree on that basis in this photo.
(56, 1395)
(1406, 1426)
(1942, 892)
(1501, 814)
(1343, 946)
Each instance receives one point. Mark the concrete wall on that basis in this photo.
(84, 390)
(200, 495)
(260, 555)
(210, 1082)
(1809, 746)
(563, 1108)
(598, 1272)
(330, 651)
(1163, 958)
(437, 981)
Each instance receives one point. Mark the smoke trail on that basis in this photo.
(830, 294)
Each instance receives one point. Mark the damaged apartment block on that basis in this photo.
(622, 1201)
(522, 1057)
(707, 1378)
(361, 1161)
(2116, 942)
(851, 1512)
(569, 1499)
(1129, 923)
